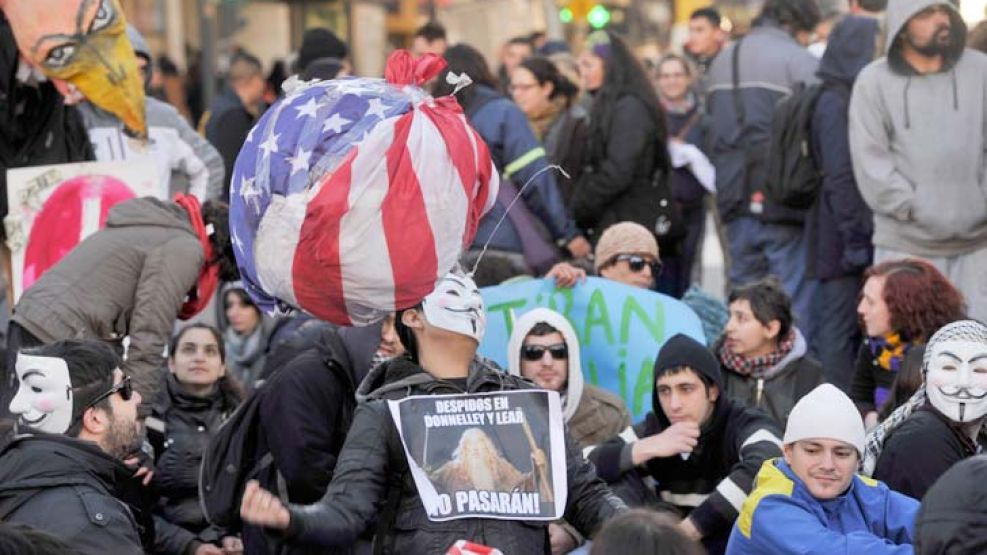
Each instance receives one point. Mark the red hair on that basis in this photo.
(920, 299)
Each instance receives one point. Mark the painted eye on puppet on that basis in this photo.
(60, 56)
(104, 17)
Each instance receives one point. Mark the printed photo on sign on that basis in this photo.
(53, 208)
(498, 455)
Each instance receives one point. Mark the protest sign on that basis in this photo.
(493, 455)
(53, 208)
(620, 329)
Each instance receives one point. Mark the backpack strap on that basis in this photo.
(738, 105)
(689, 124)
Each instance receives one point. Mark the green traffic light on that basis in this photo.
(598, 16)
(565, 15)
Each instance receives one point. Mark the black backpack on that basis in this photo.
(793, 177)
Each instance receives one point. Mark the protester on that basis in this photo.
(321, 46)
(197, 397)
(512, 53)
(701, 448)
(941, 424)
(442, 334)
(951, 521)
(812, 501)
(520, 158)
(548, 99)
(765, 238)
(927, 194)
(902, 304)
(430, 38)
(840, 224)
(184, 161)
(692, 176)
(63, 473)
(763, 354)
(233, 113)
(154, 261)
(246, 337)
(706, 37)
(627, 139)
(643, 532)
(628, 253)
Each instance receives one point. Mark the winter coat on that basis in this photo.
(129, 278)
(246, 355)
(67, 488)
(617, 182)
(921, 450)
(38, 128)
(918, 144)
(840, 223)
(180, 428)
(950, 520)
(872, 384)
(781, 387)
(518, 156)
(711, 484)
(592, 414)
(771, 64)
(372, 473)
(227, 125)
(781, 516)
(185, 162)
(565, 145)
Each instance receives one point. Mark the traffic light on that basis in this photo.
(598, 16)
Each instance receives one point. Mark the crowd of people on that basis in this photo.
(836, 405)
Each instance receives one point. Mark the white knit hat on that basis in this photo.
(826, 413)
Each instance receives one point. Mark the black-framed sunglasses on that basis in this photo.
(534, 353)
(637, 263)
(125, 388)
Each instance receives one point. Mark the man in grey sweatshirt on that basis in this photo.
(918, 137)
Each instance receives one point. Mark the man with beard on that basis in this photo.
(476, 464)
(917, 126)
(77, 414)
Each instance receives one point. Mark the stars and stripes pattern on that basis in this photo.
(351, 197)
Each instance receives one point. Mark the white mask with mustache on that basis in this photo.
(456, 306)
(44, 397)
(956, 379)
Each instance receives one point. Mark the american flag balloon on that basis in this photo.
(351, 197)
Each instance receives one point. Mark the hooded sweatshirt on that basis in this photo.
(593, 414)
(918, 144)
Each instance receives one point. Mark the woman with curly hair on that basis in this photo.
(902, 304)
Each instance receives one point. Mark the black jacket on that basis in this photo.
(691, 127)
(372, 479)
(870, 376)
(227, 128)
(68, 488)
(951, 519)
(616, 184)
(179, 429)
(921, 450)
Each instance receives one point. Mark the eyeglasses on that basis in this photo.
(534, 353)
(125, 388)
(520, 87)
(637, 263)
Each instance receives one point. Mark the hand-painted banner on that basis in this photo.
(53, 208)
(620, 329)
(489, 455)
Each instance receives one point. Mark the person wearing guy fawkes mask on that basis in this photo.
(372, 479)
(942, 423)
(77, 421)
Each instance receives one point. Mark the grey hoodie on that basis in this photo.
(918, 144)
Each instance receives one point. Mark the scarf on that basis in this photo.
(242, 351)
(889, 350)
(541, 123)
(205, 285)
(681, 107)
(758, 366)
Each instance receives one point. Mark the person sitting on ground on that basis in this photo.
(63, 474)
(701, 448)
(902, 304)
(197, 397)
(942, 423)
(544, 348)
(764, 356)
(644, 532)
(626, 253)
(812, 500)
(951, 520)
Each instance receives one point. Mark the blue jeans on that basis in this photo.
(837, 336)
(759, 249)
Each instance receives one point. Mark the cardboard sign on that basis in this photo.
(620, 329)
(53, 208)
(495, 455)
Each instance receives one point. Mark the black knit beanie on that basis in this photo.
(319, 43)
(682, 350)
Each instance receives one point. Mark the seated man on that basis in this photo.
(626, 253)
(812, 501)
(701, 448)
(949, 412)
(764, 356)
(77, 415)
(951, 520)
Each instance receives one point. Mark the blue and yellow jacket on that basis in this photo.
(781, 517)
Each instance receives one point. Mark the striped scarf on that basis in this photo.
(889, 350)
(758, 366)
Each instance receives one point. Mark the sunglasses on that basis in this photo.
(125, 388)
(534, 353)
(637, 263)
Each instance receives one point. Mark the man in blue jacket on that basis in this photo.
(812, 501)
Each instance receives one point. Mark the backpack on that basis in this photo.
(793, 177)
(237, 453)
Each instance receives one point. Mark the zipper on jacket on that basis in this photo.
(760, 389)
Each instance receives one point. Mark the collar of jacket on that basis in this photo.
(400, 377)
(40, 460)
